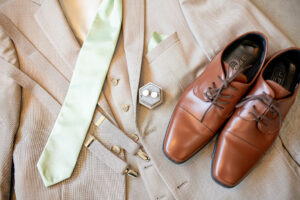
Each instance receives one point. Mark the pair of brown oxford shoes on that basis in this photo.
(240, 95)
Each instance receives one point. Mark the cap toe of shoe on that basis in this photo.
(185, 136)
(233, 159)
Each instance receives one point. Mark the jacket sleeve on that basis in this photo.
(10, 99)
(214, 23)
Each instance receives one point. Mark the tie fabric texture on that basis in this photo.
(60, 154)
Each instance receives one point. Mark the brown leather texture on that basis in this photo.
(256, 122)
(211, 98)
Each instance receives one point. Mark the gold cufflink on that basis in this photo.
(146, 93)
(154, 95)
(89, 141)
(135, 137)
(143, 155)
(150, 95)
(100, 120)
(131, 172)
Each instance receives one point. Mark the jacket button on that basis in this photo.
(115, 81)
(125, 107)
(116, 149)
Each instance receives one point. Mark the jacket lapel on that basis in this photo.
(53, 23)
(133, 31)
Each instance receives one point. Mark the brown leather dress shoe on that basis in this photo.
(210, 100)
(255, 124)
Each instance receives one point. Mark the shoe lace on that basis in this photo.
(213, 93)
(268, 102)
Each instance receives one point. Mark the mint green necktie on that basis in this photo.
(60, 154)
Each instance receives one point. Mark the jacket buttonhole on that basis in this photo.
(182, 184)
(147, 166)
(160, 197)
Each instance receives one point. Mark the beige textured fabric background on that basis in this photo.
(284, 14)
(160, 178)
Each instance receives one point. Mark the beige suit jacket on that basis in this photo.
(38, 41)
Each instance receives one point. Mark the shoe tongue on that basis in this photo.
(279, 91)
(240, 78)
